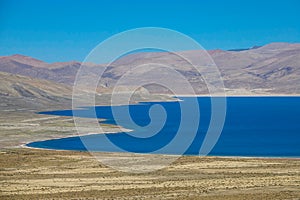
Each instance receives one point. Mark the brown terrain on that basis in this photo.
(28, 85)
(267, 70)
(42, 174)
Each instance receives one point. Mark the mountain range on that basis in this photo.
(273, 69)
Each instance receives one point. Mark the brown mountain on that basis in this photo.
(21, 92)
(63, 72)
(270, 69)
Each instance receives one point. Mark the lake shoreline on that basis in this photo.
(260, 111)
(25, 146)
(145, 154)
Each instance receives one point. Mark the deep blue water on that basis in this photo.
(254, 126)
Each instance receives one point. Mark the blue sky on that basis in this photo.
(63, 30)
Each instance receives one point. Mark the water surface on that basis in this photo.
(254, 126)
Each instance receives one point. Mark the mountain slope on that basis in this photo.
(270, 69)
(20, 92)
(63, 72)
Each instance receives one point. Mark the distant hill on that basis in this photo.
(63, 72)
(270, 69)
(20, 92)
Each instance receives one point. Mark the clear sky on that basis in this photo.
(63, 30)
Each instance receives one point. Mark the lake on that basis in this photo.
(254, 126)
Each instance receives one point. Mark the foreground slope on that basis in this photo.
(41, 174)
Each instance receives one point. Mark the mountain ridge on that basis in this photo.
(271, 69)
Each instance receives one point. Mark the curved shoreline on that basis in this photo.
(149, 154)
(145, 154)
(121, 128)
